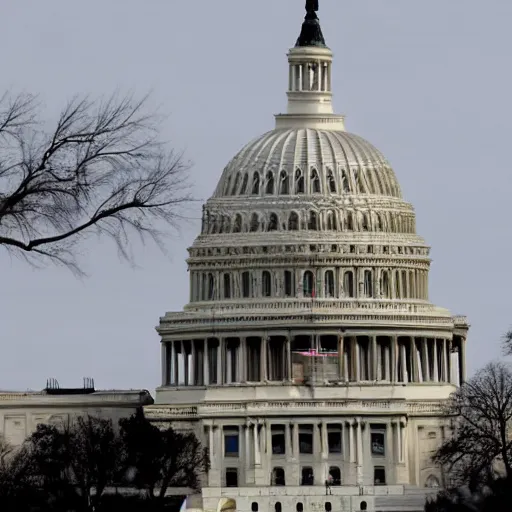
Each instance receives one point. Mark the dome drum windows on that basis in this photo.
(256, 184)
(269, 186)
(315, 182)
(299, 182)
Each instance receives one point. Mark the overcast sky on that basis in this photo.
(427, 82)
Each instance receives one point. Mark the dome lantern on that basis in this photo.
(309, 87)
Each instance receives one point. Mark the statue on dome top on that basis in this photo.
(312, 5)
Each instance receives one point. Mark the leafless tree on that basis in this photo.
(101, 169)
(507, 343)
(481, 446)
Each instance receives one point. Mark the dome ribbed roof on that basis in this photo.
(345, 163)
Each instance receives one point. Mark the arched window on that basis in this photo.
(236, 185)
(213, 224)
(308, 477)
(315, 182)
(331, 221)
(378, 223)
(278, 476)
(269, 187)
(335, 475)
(254, 507)
(246, 285)
(313, 221)
(227, 286)
(344, 182)
(266, 282)
(211, 287)
(243, 190)
(368, 283)
(328, 506)
(299, 182)
(226, 224)
(348, 283)
(308, 284)
(255, 223)
(329, 283)
(284, 185)
(237, 227)
(278, 507)
(289, 283)
(299, 507)
(364, 505)
(273, 223)
(293, 222)
(255, 184)
(331, 182)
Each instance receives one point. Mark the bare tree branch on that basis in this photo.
(103, 169)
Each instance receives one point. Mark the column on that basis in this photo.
(175, 363)
(414, 356)
(164, 364)
(357, 359)
(300, 77)
(387, 358)
(403, 358)
(294, 78)
(288, 444)
(462, 360)
(426, 363)
(351, 441)
(247, 444)
(295, 438)
(450, 377)
(359, 452)
(206, 364)
(289, 367)
(446, 377)
(375, 362)
(257, 454)
(325, 444)
(398, 441)
(186, 368)
(341, 358)
(192, 381)
(220, 358)
(435, 362)
(212, 451)
(242, 358)
(268, 439)
(402, 424)
(263, 359)
(394, 358)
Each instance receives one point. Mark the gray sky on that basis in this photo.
(427, 82)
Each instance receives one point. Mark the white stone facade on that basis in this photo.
(309, 351)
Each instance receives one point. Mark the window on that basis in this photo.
(293, 222)
(254, 506)
(306, 439)
(299, 182)
(284, 187)
(379, 475)
(266, 282)
(255, 223)
(315, 182)
(237, 227)
(278, 440)
(231, 477)
(335, 475)
(278, 507)
(307, 476)
(432, 482)
(300, 507)
(246, 284)
(331, 181)
(255, 184)
(230, 443)
(344, 182)
(329, 283)
(350, 222)
(269, 189)
(378, 446)
(313, 221)
(308, 285)
(331, 221)
(289, 283)
(349, 284)
(227, 286)
(278, 477)
(364, 505)
(211, 287)
(236, 185)
(334, 441)
(368, 283)
(328, 506)
(243, 190)
(273, 223)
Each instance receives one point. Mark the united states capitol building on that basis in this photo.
(309, 358)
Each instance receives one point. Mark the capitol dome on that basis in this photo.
(311, 161)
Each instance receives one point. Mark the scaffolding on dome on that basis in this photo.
(314, 367)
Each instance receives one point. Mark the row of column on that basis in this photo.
(355, 282)
(312, 76)
(257, 444)
(224, 361)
